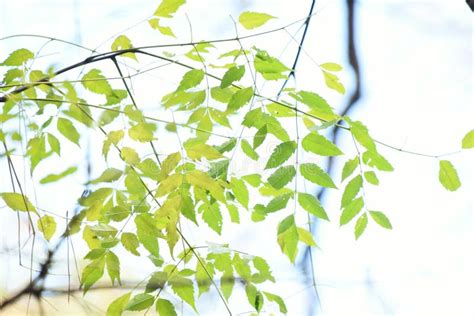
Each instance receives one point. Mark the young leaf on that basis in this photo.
(56, 177)
(239, 99)
(351, 210)
(113, 266)
(167, 8)
(67, 129)
(312, 172)
(351, 190)
(331, 67)
(360, 225)
(240, 191)
(277, 203)
(269, 67)
(280, 154)
(165, 308)
(361, 134)
(122, 42)
(165, 30)
(129, 155)
(142, 132)
(282, 177)
(312, 205)
(117, 307)
(95, 82)
(92, 273)
(349, 167)
(448, 176)
(306, 237)
(211, 214)
(381, 219)
(184, 288)
(47, 225)
(332, 81)
(319, 145)
(248, 150)
(468, 140)
(18, 57)
(260, 136)
(288, 237)
(108, 175)
(191, 79)
(371, 177)
(233, 74)
(130, 242)
(18, 202)
(251, 20)
(277, 299)
(140, 302)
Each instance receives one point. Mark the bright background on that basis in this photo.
(416, 61)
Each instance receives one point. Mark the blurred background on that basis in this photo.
(415, 78)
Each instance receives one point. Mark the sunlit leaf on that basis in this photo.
(381, 219)
(351, 210)
(117, 307)
(251, 20)
(56, 177)
(165, 308)
(320, 145)
(167, 8)
(288, 237)
(468, 140)
(122, 42)
(67, 129)
(18, 202)
(47, 225)
(140, 302)
(312, 205)
(360, 225)
(448, 176)
(312, 172)
(280, 154)
(18, 57)
(231, 75)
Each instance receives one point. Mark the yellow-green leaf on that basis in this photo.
(18, 202)
(122, 42)
(312, 205)
(165, 308)
(117, 307)
(381, 219)
(233, 74)
(448, 176)
(167, 8)
(140, 302)
(95, 82)
(18, 57)
(47, 225)
(468, 140)
(251, 20)
(280, 154)
(56, 177)
(312, 172)
(320, 145)
(351, 210)
(67, 129)
(360, 225)
(288, 237)
(282, 176)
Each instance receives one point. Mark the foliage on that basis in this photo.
(194, 184)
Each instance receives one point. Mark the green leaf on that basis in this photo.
(351, 190)
(332, 81)
(331, 67)
(318, 105)
(319, 145)
(242, 267)
(140, 302)
(351, 210)
(18, 202)
(254, 297)
(109, 175)
(374, 159)
(277, 203)
(240, 191)
(56, 177)
(67, 129)
(306, 237)
(312, 172)
(122, 42)
(312, 205)
(157, 281)
(113, 266)
(248, 150)
(191, 79)
(269, 67)
(251, 20)
(277, 299)
(142, 132)
(360, 225)
(381, 219)
(184, 288)
(260, 136)
(371, 177)
(200, 150)
(361, 134)
(468, 140)
(117, 307)
(288, 237)
(204, 181)
(54, 144)
(165, 308)
(18, 57)
(130, 242)
(165, 30)
(282, 176)
(233, 74)
(92, 273)
(264, 272)
(239, 99)
(349, 167)
(254, 179)
(95, 82)
(280, 154)
(47, 225)
(113, 137)
(167, 8)
(212, 216)
(448, 176)
(129, 155)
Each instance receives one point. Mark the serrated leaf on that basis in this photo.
(211, 214)
(468, 140)
(371, 177)
(167, 8)
(113, 137)
(318, 105)
(269, 67)
(448, 176)
(92, 273)
(184, 288)
(18, 202)
(47, 225)
(306, 237)
(312, 205)
(351, 210)
(351, 190)
(204, 181)
(360, 225)
(381, 219)
(260, 136)
(349, 167)
(56, 177)
(312, 172)
(67, 129)
(280, 154)
(332, 81)
(18, 57)
(157, 281)
(122, 42)
(282, 176)
(248, 150)
(374, 159)
(130, 242)
(142, 132)
(165, 30)
(239, 99)
(264, 272)
(129, 155)
(199, 150)
(113, 266)
(361, 134)
(95, 82)
(233, 74)
(277, 299)
(191, 79)
(288, 237)
(240, 191)
(117, 307)
(277, 203)
(251, 20)
(140, 302)
(319, 145)
(108, 175)
(165, 308)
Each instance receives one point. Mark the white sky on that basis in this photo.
(416, 59)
